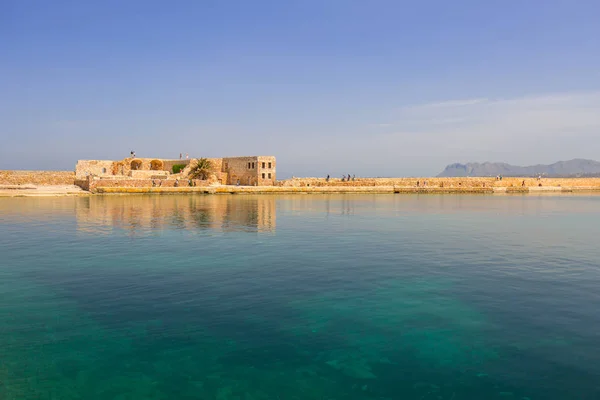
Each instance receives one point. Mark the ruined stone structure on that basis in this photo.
(140, 172)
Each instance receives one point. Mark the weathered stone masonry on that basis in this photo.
(140, 172)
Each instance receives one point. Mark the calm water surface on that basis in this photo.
(300, 297)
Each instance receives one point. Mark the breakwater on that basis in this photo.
(38, 180)
(42, 178)
(333, 189)
(383, 185)
(462, 182)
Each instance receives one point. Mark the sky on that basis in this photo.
(372, 88)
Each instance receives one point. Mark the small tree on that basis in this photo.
(201, 169)
(177, 168)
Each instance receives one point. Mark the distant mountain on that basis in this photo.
(571, 168)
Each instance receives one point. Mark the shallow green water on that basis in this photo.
(300, 297)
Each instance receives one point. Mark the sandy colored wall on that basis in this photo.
(37, 177)
(93, 167)
(168, 164)
(445, 182)
(94, 184)
(249, 170)
(237, 169)
(142, 174)
(121, 167)
(267, 167)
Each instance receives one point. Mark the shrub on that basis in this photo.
(178, 167)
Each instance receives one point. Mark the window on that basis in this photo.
(263, 175)
(252, 165)
(263, 165)
(103, 170)
(269, 175)
(248, 165)
(270, 165)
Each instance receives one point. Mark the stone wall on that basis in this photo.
(249, 170)
(41, 178)
(105, 168)
(93, 183)
(242, 170)
(93, 167)
(148, 174)
(216, 165)
(445, 182)
(168, 164)
(267, 171)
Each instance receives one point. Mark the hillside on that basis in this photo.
(571, 168)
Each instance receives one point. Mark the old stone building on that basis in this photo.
(250, 171)
(244, 171)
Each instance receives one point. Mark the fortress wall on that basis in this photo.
(243, 169)
(41, 178)
(121, 167)
(140, 183)
(267, 168)
(217, 166)
(93, 167)
(445, 182)
(168, 164)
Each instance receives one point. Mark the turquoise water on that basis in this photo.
(300, 297)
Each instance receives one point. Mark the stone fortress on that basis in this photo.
(250, 175)
(151, 172)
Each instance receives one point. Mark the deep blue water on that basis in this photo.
(300, 297)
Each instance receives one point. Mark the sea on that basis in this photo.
(247, 297)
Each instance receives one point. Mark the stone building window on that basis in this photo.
(269, 175)
(103, 170)
(249, 165)
(270, 165)
(252, 165)
(263, 175)
(263, 164)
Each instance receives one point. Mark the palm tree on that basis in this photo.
(201, 170)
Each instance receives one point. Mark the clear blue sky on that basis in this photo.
(373, 88)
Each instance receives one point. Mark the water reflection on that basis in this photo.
(102, 214)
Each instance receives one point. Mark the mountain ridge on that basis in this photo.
(577, 167)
